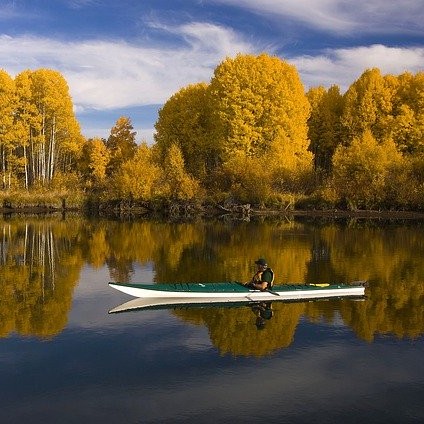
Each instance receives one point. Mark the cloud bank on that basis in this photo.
(344, 66)
(106, 74)
(116, 74)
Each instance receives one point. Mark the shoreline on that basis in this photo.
(331, 213)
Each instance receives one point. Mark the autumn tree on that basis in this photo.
(176, 184)
(368, 105)
(94, 160)
(248, 178)
(137, 178)
(56, 143)
(121, 144)
(324, 124)
(363, 169)
(7, 109)
(408, 126)
(27, 122)
(184, 121)
(260, 110)
(258, 101)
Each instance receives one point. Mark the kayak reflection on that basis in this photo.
(251, 329)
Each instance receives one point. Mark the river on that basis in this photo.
(64, 358)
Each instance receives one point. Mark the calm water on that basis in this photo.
(64, 359)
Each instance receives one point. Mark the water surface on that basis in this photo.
(63, 358)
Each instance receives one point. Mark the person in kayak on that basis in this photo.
(263, 278)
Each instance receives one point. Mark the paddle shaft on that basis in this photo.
(267, 290)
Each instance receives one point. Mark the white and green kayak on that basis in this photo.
(236, 292)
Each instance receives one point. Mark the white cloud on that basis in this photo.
(344, 66)
(113, 74)
(368, 16)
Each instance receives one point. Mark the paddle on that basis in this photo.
(267, 290)
(272, 292)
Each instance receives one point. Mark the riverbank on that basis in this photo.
(237, 212)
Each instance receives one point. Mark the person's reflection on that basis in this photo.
(263, 312)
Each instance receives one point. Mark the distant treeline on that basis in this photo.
(251, 135)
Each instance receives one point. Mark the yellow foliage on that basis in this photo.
(121, 144)
(7, 109)
(324, 128)
(183, 121)
(176, 183)
(368, 105)
(257, 101)
(249, 177)
(408, 125)
(137, 178)
(361, 170)
(94, 161)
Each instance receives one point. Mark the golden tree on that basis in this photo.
(324, 124)
(408, 126)
(259, 111)
(176, 183)
(137, 178)
(94, 160)
(368, 105)
(362, 170)
(121, 144)
(7, 110)
(56, 143)
(258, 101)
(184, 121)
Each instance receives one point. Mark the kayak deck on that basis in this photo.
(235, 291)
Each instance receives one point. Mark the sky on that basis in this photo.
(128, 57)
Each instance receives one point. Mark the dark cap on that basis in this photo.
(261, 261)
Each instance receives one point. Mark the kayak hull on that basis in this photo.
(140, 303)
(235, 292)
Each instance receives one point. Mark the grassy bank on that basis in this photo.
(39, 201)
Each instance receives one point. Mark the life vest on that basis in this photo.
(257, 278)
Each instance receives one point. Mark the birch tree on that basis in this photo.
(58, 141)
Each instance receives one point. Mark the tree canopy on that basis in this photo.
(250, 134)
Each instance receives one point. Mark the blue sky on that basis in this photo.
(127, 57)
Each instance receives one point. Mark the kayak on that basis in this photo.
(184, 303)
(236, 292)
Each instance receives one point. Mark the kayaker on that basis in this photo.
(263, 278)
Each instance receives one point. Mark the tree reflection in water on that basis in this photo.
(41, 259)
